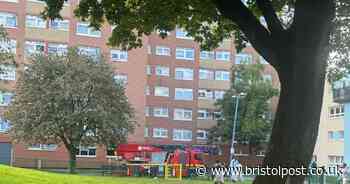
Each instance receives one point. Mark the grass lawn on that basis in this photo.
(10, 175)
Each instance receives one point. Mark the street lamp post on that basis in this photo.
(232, 150)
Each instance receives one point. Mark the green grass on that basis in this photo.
(11, 175)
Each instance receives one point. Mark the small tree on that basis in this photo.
(69, 99)
(254, 123)
(6, 55)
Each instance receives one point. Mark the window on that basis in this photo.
(43, 147)
(5, 98)
(34, 47)
(205, 94)
(8, 73)
(119, 55)
(147, 111)
(217, 115)
(335, 160)
(121, 79)
(162, 71)
(8, 20)
(183, 114)
(185, 53)
(206, 74)
(8, 46)
(219, 95)
(93, 52)
(183, 94)
(182, 34)
(223, 55)
(202, 134)
(207, 55)
(57, 24)
(183, 74)
(57, 48)
(222, 75)
(244, 58)
(335, 135)
(160, 133)
(83, 29)
(35, 22)
(149, 70)
(147, 90)
(161, 91)
(160, 112)
(204, 114)
(162, 51)
(336, 111)
(146, 132)
(182, 135)
(87, 151)
(4, 125)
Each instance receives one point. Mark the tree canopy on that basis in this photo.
(296, 40)
(254, 120)
(70, 99)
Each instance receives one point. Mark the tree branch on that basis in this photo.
(257, 34)
(270, 15)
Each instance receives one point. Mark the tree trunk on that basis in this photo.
(72, 160)
(301, 68)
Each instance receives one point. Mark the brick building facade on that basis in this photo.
(170, 82)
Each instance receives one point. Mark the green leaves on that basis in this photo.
(255, 122)
(69, 99)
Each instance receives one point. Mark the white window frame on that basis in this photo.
(340, 108)
(121, 56)
(43, 147)
(181, 94)
(207, 114)
(2, 98)
(61, 48)
(162, 71)
(183, 53)
(8, 72)
(8, 46)
(163, 51)
(219, 94)
(148, 70)
(182, 133)
(207, 55)
(90, 30)
(182, 34)
(222, 55)
(87, 50)
(205, 74)
(220, 75)
(147, 111)
(86, 148)
(161, 91)
(205, 133)
(160, 112)
(34, 45)
(160, 133)
(4, 19)
(182, 116)
(61, 25)
(121, 79)
(187, 73)
(206, 92)
(4, 125)
(34, 21)
(243, 58)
